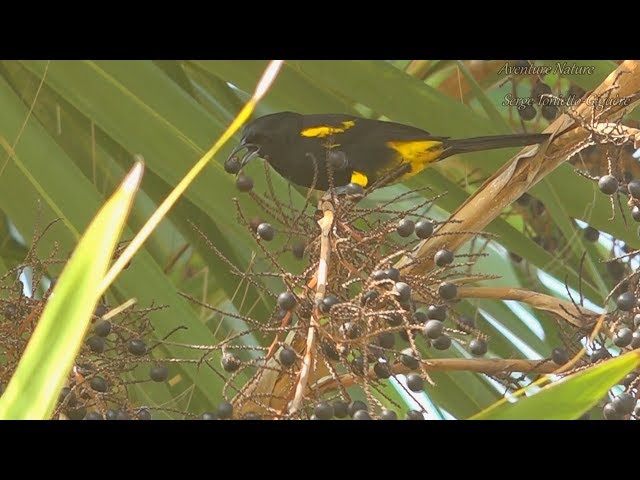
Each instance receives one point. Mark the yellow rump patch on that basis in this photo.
(419, 153)
(359, 178)
(326, 130)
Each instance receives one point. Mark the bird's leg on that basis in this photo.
(352, 190)
(340, 191)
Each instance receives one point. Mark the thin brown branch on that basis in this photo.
(489, 366)
(583, 316)
(325, 223)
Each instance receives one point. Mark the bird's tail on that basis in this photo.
(466, 145)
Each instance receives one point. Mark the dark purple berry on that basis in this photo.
(549, 112)
(361, 415)
(433, 329)
(626, 301)
(356, 406)
(158, 373)
(624, 403)
(137, 347)
(608, 184)
(230, 363)
(478, 347)
(100, 310)
(443, 257)
(408, 359)
(527, 113)
(378, 275)
(102, 328)
(340, 409)
(328, 302)
(143, 414)
(403, 291)
(414, 415)
(122, 415)
(437, 312)
(323, 410)
(266, 232)
(244, 183)
(76, 413)
(286, 301)
(623, 337)
(441, 343)
(610, 413)
(392, 274)
(634, 189)
(628, 380)
(224, 410)
(99, 384)
(405, 227)
(559, 356)
(387, 414)
(382, 370)
(424, 229)
(287, 356)
(448, 291)
(96, 344)
(357, 366)
(415, 383)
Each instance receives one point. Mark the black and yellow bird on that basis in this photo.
(363, 151)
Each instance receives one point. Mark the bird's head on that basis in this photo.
(265, 136)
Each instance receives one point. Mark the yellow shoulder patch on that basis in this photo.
(418, 153)
(326, 130)
(359, 178)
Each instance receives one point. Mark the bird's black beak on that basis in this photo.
(252, 152)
